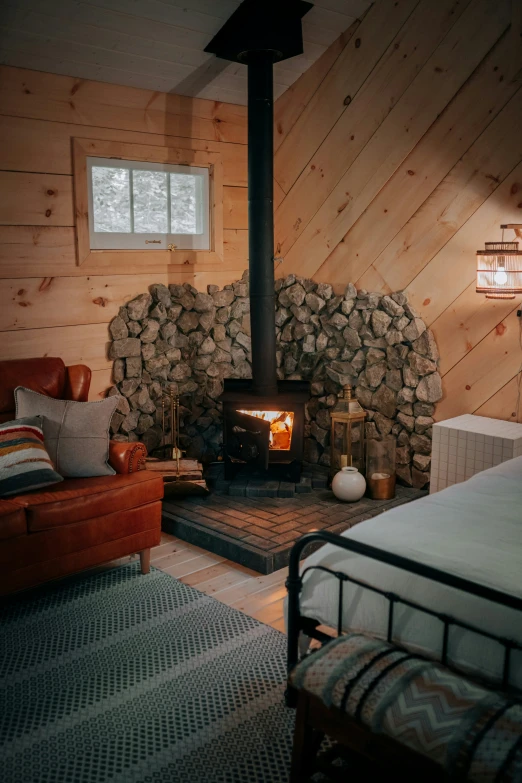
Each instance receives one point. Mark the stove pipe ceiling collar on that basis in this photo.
(261, 25)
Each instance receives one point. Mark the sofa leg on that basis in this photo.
(145, 561)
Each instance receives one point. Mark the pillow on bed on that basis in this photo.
(24, 461)
(76, 434)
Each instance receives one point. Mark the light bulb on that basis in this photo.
(501, 277)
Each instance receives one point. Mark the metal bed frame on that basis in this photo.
(297, 623)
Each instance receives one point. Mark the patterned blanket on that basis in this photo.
(475, 734)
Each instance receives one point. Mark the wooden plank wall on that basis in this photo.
(404, 159)
(49, 305)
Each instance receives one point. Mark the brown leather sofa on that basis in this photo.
(78, 523)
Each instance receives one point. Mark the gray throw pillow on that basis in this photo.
(76, 434)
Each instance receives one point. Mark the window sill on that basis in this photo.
(153, 257)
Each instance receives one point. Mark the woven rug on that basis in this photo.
(123, 677)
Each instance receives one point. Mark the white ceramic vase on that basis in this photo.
(348, 484)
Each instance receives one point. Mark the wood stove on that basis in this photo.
(264, 434)
(263, 418)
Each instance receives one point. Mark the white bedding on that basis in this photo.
(472, 529)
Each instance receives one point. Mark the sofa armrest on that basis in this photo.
(127, 457)
(77, 382)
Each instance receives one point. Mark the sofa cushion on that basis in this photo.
(45, 376)
(78, 499)
(76, 433)
(12, 520)
(458, 724)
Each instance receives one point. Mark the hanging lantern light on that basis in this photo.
(499, 267)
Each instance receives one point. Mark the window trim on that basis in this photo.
(98, 148)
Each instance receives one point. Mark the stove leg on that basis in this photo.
(294, 472)
(232, 469)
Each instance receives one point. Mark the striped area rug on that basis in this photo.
(122, 677)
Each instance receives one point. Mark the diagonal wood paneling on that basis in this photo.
(504, 404)
(294, 101)
(389, 135)
(487, 161)
(462, 191)
(483, 371)
(398, 189)
(452, 269)
(345, 78)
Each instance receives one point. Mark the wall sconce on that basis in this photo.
(499, 267)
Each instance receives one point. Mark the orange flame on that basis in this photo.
(281, 426)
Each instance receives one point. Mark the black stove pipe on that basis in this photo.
(261, 220)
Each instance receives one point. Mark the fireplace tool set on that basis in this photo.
(180, 476)
(170, 451)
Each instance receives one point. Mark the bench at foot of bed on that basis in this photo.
(403, 712)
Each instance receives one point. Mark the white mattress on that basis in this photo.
(474, 530)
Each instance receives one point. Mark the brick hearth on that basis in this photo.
(259, 532)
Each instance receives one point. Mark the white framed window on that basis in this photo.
(146, 204)
(139, 205)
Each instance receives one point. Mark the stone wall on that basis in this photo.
(181, 338)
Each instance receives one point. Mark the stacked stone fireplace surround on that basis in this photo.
(178, 337)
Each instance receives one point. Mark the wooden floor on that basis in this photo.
(256, 595)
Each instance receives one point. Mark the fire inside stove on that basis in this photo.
(281, 426)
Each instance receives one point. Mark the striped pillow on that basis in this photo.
(24, 461)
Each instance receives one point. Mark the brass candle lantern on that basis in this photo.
(347, 433)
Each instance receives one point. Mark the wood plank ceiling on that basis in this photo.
(153, 44)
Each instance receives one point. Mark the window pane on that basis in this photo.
(184, 208)
(111, 199)
(150, 202)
